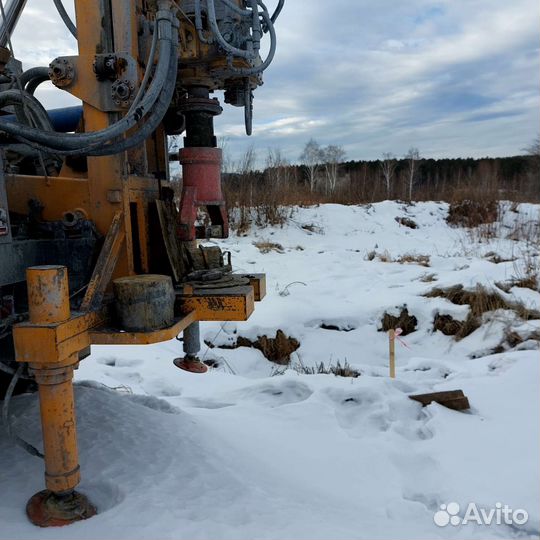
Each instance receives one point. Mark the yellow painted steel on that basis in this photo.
(57, 407)
(48, 304)
(106, 336)
(236, 304)
(48, 294)
(115, 190)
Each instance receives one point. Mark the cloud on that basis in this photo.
(451, 77)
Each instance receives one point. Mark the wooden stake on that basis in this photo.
(392, 341)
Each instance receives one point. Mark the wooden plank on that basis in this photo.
(167, 220)
(105, 265)
(453, 399)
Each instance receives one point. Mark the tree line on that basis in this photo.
(323, 175)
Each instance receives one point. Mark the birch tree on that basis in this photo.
(412, 157)
(388, 166)
(332, 157)
(311, 159)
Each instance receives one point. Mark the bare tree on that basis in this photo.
(226, 162)
(332, 157)
(277, 168)
(412, 156)
(534, 151)
(311, 159)
(388, 167)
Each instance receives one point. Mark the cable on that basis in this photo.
(211, 8)
(236, 9)
(199, 24)
(8, 30)
(246, 72)
(148, 69)
(36, 110)
(277, 11)
(32, 74)
(60, 141)
(151, 124)
(5, 416)
(66, 18)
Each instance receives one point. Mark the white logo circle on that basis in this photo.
(447, 514)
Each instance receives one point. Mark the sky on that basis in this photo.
(453, 78)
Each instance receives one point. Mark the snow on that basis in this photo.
(255, 450)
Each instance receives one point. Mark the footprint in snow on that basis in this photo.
(119, 362)
(274, 394)
(369, 412)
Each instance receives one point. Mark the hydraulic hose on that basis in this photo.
(246, 72)
(60, 142)
(38, 113)
(211, 7)
(32, 74)
(151, 122)
(199, 24)
(236, 9)
(66, 18)
(277, 11)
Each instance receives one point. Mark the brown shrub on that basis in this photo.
(405, 321)
(481, 301)
(472, 213)
(277, 350)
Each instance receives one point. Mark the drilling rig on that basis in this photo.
(96, 247)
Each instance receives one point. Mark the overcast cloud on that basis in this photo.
(455, 78)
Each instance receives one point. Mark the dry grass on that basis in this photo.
(472, 213)
(480, 301)
(413, 258)
(264, 246)
(406, 322)
(338, 370)
(407, 222)
(277, 349)
(406, 258)
(428, 278)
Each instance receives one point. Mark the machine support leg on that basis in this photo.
(192, 339)
(57, 407)
(192, 345)
(59, 504)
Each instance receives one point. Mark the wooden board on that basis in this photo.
(453, 399)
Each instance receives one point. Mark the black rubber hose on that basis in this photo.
(31, 74)
(151, 123)
(66, 18)
(22, 100)
(60, 142)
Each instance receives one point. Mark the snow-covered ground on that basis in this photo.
(253, 450)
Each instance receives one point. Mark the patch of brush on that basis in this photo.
(452, 327)
(512, 341)
(265, 246)
(276, 349)
(526, 282)
(339, 370)
(495, 258)
(407, 222)
(470, 213)
(480, 301)
(404, 320)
